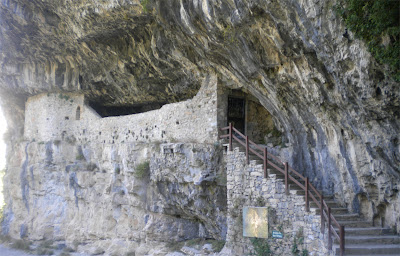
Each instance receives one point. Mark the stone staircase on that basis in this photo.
(361, 237)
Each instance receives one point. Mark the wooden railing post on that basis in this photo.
(247, 149)
(329, 230)
(322, 215)
(287, 178)
(341, 240)
(230, 136)
(307, 191)
(265, 162)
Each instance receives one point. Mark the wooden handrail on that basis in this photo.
(256, 153)
(298, 174)
(326, 215)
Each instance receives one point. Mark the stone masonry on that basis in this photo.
(53, 116)
(247, 187)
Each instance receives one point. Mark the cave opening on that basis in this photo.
(124, 110)
(237, 113)
(249, 116)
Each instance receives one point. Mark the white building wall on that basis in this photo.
(52, 117)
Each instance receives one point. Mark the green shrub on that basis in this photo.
(261, 246)
(217, 245)
(44, 251)
(144, 4)
(194, 242)
(21, 245)
(371, 21)
(142, 170)
(80, 156)
(221, 179)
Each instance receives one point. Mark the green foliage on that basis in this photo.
(65, 97)
(175, 246)
(221, 179)
(144, 4)
(21, 245)
(299, 239)
(261, 247)
(372, 21)
(229, 34)
(80, 156)
(194, 242)
(43, 251)
(217, 245)
(260, 201)
(46, 247)
(142, 170)
(5, 238)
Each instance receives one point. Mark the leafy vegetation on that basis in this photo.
(142, 170)
(377, 23)
(221, 179)
(46, 247)
(217, 245)
(261, 247)
(21, 245)
(62, 96)
(144, 4)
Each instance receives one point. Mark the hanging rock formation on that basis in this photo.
(338, 110)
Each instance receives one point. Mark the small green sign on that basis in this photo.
(277, 234)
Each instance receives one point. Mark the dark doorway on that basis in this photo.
(236, 113)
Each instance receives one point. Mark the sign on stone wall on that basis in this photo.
(255, 222)
(277, 234)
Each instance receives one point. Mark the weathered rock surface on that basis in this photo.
(328, 96)
(102, 197)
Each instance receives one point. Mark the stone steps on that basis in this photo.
(369, 249)
(355, 223)
(370, 231)
(361, 238)
(372, 239)
(335, 211)
(347, 217)
(331, 203)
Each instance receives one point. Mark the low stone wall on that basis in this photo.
(286, 213)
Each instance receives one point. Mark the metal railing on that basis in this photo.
(262, 153)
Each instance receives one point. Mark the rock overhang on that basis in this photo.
(325, 91)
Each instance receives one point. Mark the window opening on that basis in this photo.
(78, 113)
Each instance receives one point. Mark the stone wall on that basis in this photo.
(52, 116)
(247, 187)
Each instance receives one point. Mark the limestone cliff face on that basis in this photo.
(329, 97)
